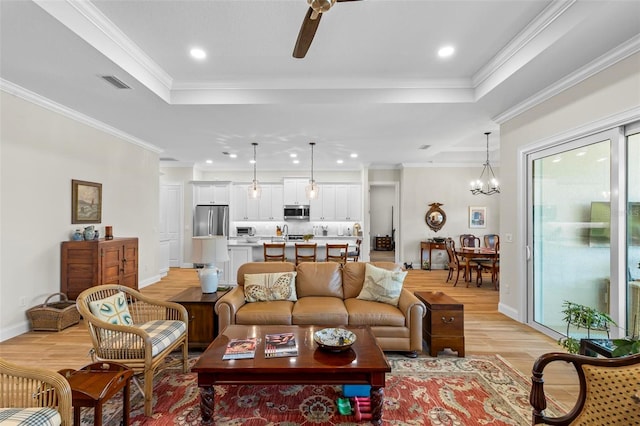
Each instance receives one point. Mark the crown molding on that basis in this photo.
(623, 51)
(34, 98)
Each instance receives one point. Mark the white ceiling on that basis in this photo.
(371, 83)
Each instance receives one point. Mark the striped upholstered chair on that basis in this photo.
(608, 391)
(135, 330)
(33, 396)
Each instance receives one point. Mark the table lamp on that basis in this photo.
(209, 251)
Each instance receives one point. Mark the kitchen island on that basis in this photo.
(258, 253)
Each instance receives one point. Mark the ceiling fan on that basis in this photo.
(310, 25)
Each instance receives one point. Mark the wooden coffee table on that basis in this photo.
(311, 366)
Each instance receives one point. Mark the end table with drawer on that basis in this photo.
(443, 324)
(203, 320)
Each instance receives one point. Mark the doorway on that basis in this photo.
(384, 218)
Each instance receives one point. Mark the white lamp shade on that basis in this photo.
(211, 249)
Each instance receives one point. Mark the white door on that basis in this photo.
(171, 201)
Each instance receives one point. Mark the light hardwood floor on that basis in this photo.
(487, 332)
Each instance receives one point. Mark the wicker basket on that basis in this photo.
(54, 316)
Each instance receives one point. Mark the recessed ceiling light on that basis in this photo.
(354, 155)
(233, 155)
(556, 160)
(296, 161)
(198, 53)
(600, 160)
(209, 161)
(252, 161)
(446, 51)
(581, 153)
(293, 155)
(339, 161)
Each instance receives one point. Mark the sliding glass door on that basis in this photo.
(633, 229)
(569, 229)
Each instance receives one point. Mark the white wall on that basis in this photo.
(41, 152)
(566, 116)
(450, 187)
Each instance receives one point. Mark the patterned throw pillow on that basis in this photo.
(382, 285)
(113, 309)
(272, 286)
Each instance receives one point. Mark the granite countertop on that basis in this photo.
(321, 241)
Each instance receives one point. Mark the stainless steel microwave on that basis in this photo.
(297, 212)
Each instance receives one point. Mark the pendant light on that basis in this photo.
(312, 189)
(487, 185)
(254, 189)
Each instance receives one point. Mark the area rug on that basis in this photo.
(445, 391)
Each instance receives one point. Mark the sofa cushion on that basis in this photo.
(263, 267)
(112, 309)
(320, 311)
(365, 312)
(353, 276)
(270, 286)
(381, 285)
(261, 313)
(319, 279)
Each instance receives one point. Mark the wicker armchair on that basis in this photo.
(608, 389)
(158, 329)
(31, 391)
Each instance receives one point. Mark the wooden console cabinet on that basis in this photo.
(429, 246)
(443, 324)
(85, 264)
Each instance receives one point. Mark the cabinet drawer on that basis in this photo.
(445, 322)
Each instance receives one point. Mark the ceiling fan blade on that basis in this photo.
(305, 36)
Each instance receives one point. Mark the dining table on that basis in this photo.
(472, 253)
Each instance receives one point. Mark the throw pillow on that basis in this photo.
(270, 286)
(112, 309)
(382, 285)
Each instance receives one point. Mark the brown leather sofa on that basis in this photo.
(327, 295)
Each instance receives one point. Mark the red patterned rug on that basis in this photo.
(423, 391)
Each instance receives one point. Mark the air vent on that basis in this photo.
(167, 159)
(424, 146)
(115, 82)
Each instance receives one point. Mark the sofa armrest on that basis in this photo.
(227, 306)
(414, 311)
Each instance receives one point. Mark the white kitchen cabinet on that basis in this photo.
(348, 202)
(237, 257)
(243, 207)
(294, 191)
(323, 208)
(211, 192)
(271, 202)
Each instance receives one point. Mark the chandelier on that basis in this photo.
(487, 183)
(312, 189)
(254, 189)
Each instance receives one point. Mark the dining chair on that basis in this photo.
(354, 255)
(469, 240)
(454, 262)
(337, 253)
(491, 265)
(490, 240)
(306, 252)
(274, 252)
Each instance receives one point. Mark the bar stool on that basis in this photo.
(306, 252)
(337, 253)
(355, 254)
(274, 252)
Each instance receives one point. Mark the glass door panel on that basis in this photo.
(633, 234)
(570, 230)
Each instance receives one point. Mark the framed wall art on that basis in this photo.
(86, 202)
(477, 217)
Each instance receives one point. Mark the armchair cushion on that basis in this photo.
(161, 332)
(44, 416)
(382, 285)
(112, 309)
(270, 286)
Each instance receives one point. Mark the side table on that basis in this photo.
(593, 347)
(429, 246)
(96, 383)
(443, 324)
(203, 321)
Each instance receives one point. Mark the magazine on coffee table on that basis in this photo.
(241, 348)
(280, 345)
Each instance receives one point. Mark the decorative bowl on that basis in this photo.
(334, 339)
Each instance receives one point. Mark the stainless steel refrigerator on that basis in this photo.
(211, 220)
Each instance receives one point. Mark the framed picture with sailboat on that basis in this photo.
(86, 202)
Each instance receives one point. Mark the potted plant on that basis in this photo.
(581, 316)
